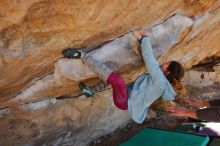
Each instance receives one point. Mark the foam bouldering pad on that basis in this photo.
(158, 137)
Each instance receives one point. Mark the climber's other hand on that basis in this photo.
(137, 34)
(144, 32)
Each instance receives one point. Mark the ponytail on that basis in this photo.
(176, 74)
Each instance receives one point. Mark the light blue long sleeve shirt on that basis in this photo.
(148, 87)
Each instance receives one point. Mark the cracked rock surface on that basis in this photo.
(33, 73)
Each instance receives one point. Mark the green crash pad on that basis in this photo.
(157, 137)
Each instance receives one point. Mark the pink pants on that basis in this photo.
(120, 95)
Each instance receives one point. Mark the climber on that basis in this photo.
(139, 95)
(210, 110)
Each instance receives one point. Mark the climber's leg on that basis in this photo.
(87, 91)
(72, 53)
(91, 91)
(98, 67)
(120, 95)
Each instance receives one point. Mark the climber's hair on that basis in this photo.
(175, 75)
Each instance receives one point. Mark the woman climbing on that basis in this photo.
(138, 96)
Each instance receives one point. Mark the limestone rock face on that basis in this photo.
(33, 73)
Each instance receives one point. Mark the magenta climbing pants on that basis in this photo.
(120, 94)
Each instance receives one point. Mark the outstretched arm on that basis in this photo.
(178, 111)
(207, 114)
(197, 103)
(153, 67)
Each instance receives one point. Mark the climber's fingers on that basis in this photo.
(144, 32)
(137, 34)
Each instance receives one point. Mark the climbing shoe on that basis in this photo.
(72, 53)
(88, 92)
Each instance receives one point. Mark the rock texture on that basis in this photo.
(33, 73)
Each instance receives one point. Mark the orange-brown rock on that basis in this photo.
(33, 73)
(31, 43)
